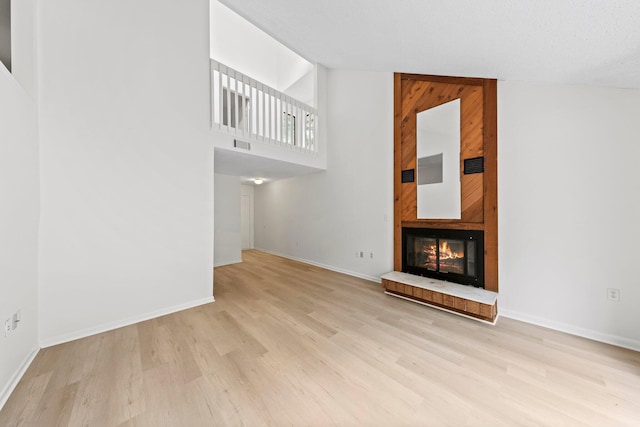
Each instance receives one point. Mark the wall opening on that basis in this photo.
(5, 33)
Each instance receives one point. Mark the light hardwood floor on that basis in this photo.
(288, 344)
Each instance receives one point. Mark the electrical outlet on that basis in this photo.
(371, 255)
(17, 317)
(613, 294)
(7, 327)
(361, 254)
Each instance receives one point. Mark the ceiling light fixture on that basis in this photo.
(258, 181)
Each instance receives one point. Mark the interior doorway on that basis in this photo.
(246, 216)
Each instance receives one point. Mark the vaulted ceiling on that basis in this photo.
(595, 42)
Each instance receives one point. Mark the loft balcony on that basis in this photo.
(253, 111)
(250, 118)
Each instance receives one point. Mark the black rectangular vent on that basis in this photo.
(241, 144)
(475, 165)
(408, 175)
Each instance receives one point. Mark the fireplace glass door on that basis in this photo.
(452, 255)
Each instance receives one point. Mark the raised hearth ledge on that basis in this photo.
(454, 289)
(468, 301)
(457, 313)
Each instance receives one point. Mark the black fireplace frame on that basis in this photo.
(465, 235)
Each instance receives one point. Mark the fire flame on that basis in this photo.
(446, 253)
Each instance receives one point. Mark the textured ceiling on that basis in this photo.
(595, 42)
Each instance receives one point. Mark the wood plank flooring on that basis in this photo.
(288, 344)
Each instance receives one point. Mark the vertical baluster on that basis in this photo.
(265, 130)
(228, 96)
(247, 88)
(215, 95)
(220, 95)
(299, 122)
(304, 129)
(288, 119)
(279, 119)
(262, 112)
(237, 107)
(253, 109)
(274, 108)
(240, 118)
(275, 117)
(246, 119)
(315, 132)
(291, 124)
(212, 92)
(267, 125)
(284, 120)
(267, 112)
(244, 112)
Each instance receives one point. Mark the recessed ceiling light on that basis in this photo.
(258, 181)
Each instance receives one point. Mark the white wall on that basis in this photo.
(19, 216)
(327, 217)
(303, 89)
(23, 15)
(239, 44)
(569, 208)
(126, 164)
(567, 174)
(227, 241)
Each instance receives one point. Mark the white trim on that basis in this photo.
(325, 266)
(223, 263)
(573, 330)
(11, 385)
(71, 336)
(444, 309)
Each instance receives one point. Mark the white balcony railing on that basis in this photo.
(254, 111)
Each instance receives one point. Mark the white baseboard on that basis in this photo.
(573, 330)
(220, 264)
(71, 336)
(545, 323)
(325, 266)
(15, 379)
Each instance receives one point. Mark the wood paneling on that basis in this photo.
(421, 95)
(443, 300)
(478, 138)
(490, 134)
(397, 170)
(473, 307)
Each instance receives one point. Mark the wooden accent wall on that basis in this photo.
(478, 137)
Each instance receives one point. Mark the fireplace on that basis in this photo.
(451, 255)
